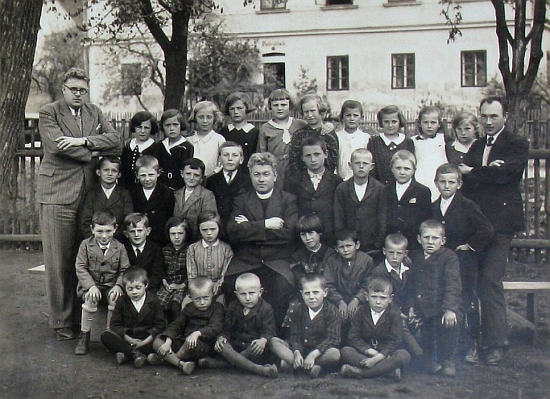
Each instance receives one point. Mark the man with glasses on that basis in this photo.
(73, 133)
(492, 171)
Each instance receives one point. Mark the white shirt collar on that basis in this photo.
(376, 315)
(108, 191)
(461, 147)
(104, 246)
(141, 247)
(264, 196)
(312, 313)
(400, 138)
(495, 136)
(205, 244)
(168, 146)
(281, 126)
(148, 143)
(402, 268)
(246, 128)
(139, 303)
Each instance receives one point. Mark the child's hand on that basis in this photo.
(464, 169)
(449, 319)
(412, 314)
(343, 310)
(143, 342)
(309, 361)
(131, 341)
(115, 293)
(258, 346)
(352, 307)
(165, 284)
(93, 294)
(497, 162)
(463, 247)
(298, 360)
(371, 361)
(192, 339)
(165, 348)
(220, 344)
(216, 287)
(327, 128)
(274, 223)
(241, 219)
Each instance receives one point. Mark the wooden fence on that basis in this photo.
(19, 219)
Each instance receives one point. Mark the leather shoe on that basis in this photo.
(495, 356)
(64, 334)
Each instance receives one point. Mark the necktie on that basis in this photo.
(103, 249)
(78, 118)
(138, 252)
(490, 141)
(229, 177)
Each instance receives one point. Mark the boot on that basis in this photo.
(83, 343)
(472, 356)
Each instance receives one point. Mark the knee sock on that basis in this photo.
(236, 359)
(87, 320)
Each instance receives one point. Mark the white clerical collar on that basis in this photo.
(246, 128)
(400, 138)
(264, 196)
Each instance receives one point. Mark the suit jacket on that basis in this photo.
(119, 204)
(151, 259)
(255, 245)
(405, 215)
(63, 172)
(225, 194)
(384, 336)
(95, 268)
(319, 202)
(401, 286)
(243, 329)
(345, 283)
(199, 201)
(435, 285)
(366, 216)
(464, 223)
(159, 208)
(148, 321)
(209, 322)
(496, 189)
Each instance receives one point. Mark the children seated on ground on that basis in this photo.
(174, 149)
(313, 109)
(205, 140)
(314, 187)
(408, 202)
(359, 203)
(466, 130)
(192, 335)
(375, 336)
(137, 319)
(308, 259)
(193, 198)
(393, 269)
(387, 143)
(275, 134)
(153, 198)
(314, 331)
(174, 285)
(429, 146)
(142, 252)
(99, 265)
(347, 274)
(210, 256)
(230, 182)
(143, 125)
(435, 298)
(468, 232)
(237, 106)
(107, 196)
(351, 137)
(248, 327)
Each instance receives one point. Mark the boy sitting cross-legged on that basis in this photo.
(314, 331)
(248, 326)
(191, 336)
(375, 336)
(100, 261)
(136, 321)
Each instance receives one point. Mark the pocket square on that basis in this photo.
(412, 201)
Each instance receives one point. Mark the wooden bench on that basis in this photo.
(531, 287)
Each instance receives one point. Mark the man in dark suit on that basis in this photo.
(262, 231)
(73, 133)
(492, 172)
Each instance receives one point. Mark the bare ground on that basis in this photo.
(33, 364)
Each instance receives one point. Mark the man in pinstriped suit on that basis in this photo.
(73, 132)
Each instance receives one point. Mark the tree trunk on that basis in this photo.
(20, 22)
(176, 62)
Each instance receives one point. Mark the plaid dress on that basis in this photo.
(175, 262)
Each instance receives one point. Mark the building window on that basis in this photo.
(274, 77)
(338, 73)
(402, 75)
(131, 79)
(339, 2)
(474, 68)
(272, 4)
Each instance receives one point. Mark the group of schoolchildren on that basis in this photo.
(380, 265)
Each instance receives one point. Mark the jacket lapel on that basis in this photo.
(194, 197)
(255, 206)
(69, 120)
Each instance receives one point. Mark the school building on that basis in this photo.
(376, 51)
